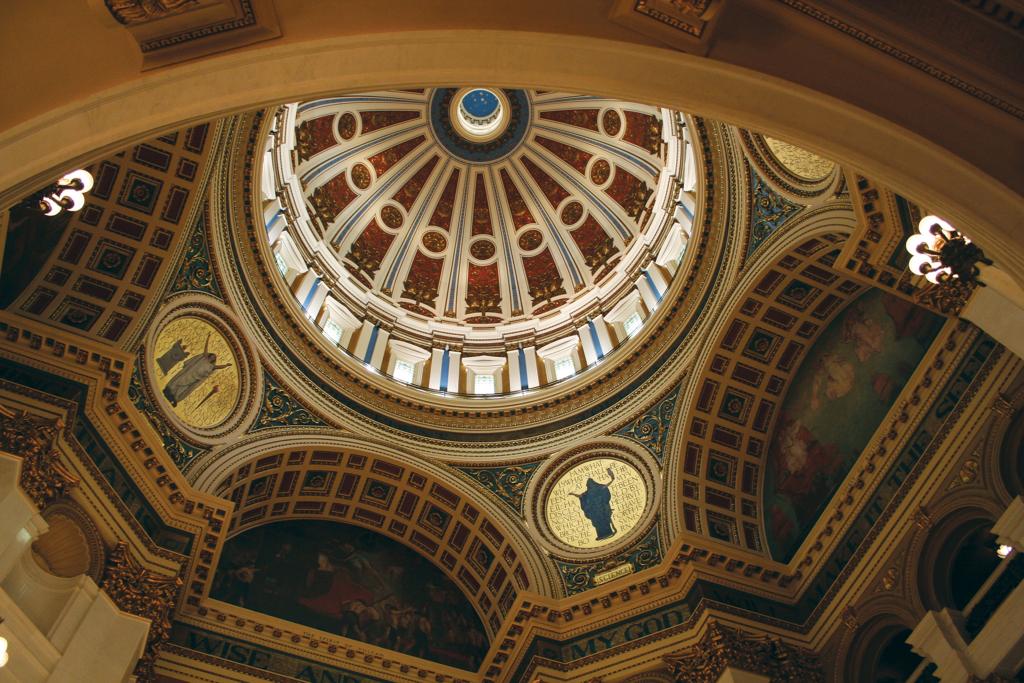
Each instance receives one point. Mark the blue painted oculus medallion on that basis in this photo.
(479, 125)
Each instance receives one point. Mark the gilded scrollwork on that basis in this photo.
(651, 429)
(138, 590)
(279, 409)
(948, 298)
(43, 478)
(182, 452)
(196, 272)
(723, 647)
(768, 211)
(580, 577)
(507, 482)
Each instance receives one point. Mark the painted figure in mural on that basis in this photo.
(193, 372)
(172, 357)
(355, 584)
(596, 502)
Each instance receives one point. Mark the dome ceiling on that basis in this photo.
(477, 219)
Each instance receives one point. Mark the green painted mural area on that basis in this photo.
(841, 393)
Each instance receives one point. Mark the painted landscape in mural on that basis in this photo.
(839, 396)
(354, 583)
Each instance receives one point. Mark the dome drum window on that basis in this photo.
(561, 358)
(407, 361)
(627, 317)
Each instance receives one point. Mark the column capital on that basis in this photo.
(144, 593)
(43, 477)
(724, 649)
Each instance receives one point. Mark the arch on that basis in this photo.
(879, 652)
(334, 478)
(1011, 455)
(742, 379)
(982, 206)
(953, 565)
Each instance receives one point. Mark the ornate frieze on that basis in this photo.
(723, 647)
(279, 409)
(170, 31)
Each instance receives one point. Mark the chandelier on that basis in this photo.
(67, 194)
(941, 254)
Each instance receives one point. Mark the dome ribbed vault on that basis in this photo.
(444, 235)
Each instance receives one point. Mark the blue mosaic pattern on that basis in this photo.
(650, 430)
(768, 211)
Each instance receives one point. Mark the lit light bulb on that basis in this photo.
(1003, 551)
(49, 206)
(72, 200)
(915, 242)
(920, 264)
(81, 180)
(925, 225)
(4, 656)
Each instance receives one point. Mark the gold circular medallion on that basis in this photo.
(596, 502)
(196, 372)
(361, 176)
(347, 126)
(392, 217)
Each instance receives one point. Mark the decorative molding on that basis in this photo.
(578, 578)
(650, 430)
(686, 25)
(196, 273)
(182, 452)
(131, 12)
(768, 211)
(948, 298)
(723, 647)
(170, 31)
(913, 61)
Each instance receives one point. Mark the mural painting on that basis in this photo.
(839, 396)
(354, 583)
(596, 502)
(195, 371)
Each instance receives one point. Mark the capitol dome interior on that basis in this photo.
(628, 341)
